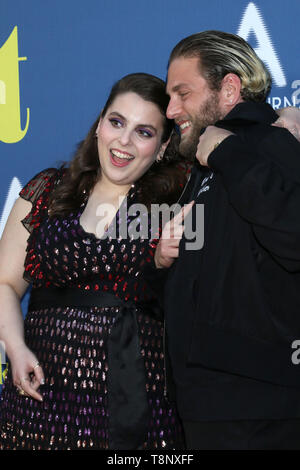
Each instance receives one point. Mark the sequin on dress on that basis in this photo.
(71, 343)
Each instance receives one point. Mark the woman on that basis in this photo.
(87, 366)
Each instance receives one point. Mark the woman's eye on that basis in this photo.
(115, 122)
(145, 133)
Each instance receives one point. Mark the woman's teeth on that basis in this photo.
(123, 156)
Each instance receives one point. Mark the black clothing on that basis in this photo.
(243, 435)
(233, 307)
(93, 324)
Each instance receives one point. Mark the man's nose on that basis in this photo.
(173, 109)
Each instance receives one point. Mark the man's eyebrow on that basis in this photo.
(115, 113)
(176, 87)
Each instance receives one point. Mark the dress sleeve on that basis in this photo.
(37, 192)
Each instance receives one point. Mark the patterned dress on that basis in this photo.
(71, 341)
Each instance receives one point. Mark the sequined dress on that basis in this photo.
(71, 342)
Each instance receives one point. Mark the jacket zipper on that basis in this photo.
(165, 365)
(164, 333)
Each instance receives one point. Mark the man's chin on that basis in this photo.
(188, 144)
(187, 150)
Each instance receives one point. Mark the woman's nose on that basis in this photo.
(125, 137)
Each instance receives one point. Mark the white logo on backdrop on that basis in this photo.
(252, 22)
(296, 94)
(13, 193)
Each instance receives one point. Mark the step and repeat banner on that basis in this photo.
(59, 59)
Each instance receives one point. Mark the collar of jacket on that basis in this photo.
(251, 112)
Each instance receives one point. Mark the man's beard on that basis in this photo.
(208, 114)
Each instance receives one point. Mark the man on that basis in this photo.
(233, 307)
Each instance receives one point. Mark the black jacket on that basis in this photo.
(233, 307)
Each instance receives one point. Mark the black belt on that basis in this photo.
(127, 396)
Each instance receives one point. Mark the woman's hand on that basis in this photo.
(289, 118)
(208, 141)
(168, 247)
(26, 372)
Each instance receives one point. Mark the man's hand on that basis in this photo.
(208, 141)
(290, 119)
(168, 247)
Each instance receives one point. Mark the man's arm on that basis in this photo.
(263, 186)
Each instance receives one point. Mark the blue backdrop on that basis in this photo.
(58, 60)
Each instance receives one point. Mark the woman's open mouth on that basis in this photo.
(119, 158)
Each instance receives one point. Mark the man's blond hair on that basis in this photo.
(220, 53)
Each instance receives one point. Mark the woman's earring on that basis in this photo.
(162, 150)
(160, 154)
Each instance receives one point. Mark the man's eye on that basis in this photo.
(115, 122)
(144, 133)
(183, 94)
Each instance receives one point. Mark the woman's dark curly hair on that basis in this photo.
(162, 183)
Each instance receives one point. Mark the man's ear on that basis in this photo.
(230, 93)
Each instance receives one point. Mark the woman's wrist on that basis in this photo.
(15, 348)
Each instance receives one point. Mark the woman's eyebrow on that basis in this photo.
(115, 113)
(148, 126)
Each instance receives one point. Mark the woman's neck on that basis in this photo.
(113, 191)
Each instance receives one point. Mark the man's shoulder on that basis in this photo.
(251, 121)
(276, 144)
(251, 113)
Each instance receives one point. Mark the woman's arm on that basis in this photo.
(290, 119)
(12, 288)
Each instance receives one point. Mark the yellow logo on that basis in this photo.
(10, 118)
(3, 371)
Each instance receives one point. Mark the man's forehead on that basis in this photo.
(183, 71)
